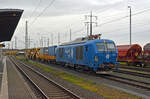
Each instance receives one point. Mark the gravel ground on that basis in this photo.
(136, 68)
(85, 94)
(1, 66)
(98, 79)
(132, 77)
(48, 88)
(17, 87)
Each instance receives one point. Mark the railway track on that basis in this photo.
(47, 88)
(127, 81)
(136, 68)
(133, 73)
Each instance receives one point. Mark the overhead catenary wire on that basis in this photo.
(35, 9)
(118, 19)
(52, 3)
(120, 29)
(115, 20)
(109, 21)
(49, 5)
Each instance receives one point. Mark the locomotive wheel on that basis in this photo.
(92, 71)
(144, 65)
(74, 66)
(128, 63)
(141, 64)
(134, 64)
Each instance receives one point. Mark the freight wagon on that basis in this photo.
(131, 54)
(146, 54)
(47, 54)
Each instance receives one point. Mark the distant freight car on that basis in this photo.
(131, 54)
(146, 54)
(47, 54)
(35, 53)
(96, 55)
(52, 53)
(43, 54)
(52, 50)
(10, 53)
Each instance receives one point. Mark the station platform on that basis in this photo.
(12, 84)
(1, 71)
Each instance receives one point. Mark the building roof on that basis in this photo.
(9, 19)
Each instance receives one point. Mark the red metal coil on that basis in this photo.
(129, 53)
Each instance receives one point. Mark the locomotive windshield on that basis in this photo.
(100, 46)
(110, 46)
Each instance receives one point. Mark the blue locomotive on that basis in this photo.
(94, 54)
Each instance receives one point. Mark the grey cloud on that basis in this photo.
(61, 8)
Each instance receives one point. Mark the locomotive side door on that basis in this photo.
(71, 55)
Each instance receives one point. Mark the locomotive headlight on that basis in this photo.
(96, 58)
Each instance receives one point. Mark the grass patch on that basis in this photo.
(105, 91)
(123, 63)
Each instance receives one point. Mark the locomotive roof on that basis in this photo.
(9, 19)
(85, 41)
(80, 41)
(76, 41)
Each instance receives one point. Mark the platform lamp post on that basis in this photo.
(130, 25)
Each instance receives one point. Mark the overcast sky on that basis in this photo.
(65, 14)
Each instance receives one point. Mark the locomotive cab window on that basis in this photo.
(110, 46)
(100, 46)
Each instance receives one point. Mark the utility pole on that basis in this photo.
(130, 25)
(15, 42)
(48, 42)
(12, 44)
(42, 41)
(87, 29)
(26, 36)
(34, 45)
(70, 34)
(9, 45)
(52, 39)
(29, 40)
(45, 41)
(58, 38)
(90, 23)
